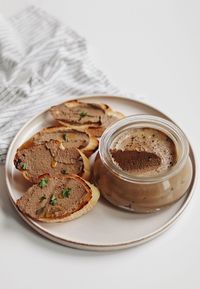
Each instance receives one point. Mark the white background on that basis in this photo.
(150, 48)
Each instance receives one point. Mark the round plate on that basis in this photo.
(105, 227)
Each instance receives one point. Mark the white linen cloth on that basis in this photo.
(42, 62)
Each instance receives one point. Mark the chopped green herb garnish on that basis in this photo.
(82, 114)
(39, 211)
(65, 137)
(43, 198)
(66, 192)
(64, 172)
(43, 183)
(23, 166)
(53, 201)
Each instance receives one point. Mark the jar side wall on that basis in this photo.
(141, 198)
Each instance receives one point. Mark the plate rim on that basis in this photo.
(101, 247)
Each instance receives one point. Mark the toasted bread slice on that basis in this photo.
(52, 159)
(61, 199)
(70, 138)
(91, 117)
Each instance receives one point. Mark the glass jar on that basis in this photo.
(142, 194)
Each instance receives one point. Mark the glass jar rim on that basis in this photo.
(149, 121)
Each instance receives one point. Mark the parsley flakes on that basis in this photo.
(53, 201)
(82, 114)
(64, 172)
(66, 192)
(23, 166)
(43, 198)
(43, 183)
(65, 137)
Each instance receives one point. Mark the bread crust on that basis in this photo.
(91, 147)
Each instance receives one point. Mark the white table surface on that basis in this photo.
(150, 48)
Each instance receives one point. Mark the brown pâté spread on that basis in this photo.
(48, 158)
(69, 137)
(143, 152)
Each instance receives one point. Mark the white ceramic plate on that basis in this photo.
(105, 227)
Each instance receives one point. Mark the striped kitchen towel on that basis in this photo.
(42, 62)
